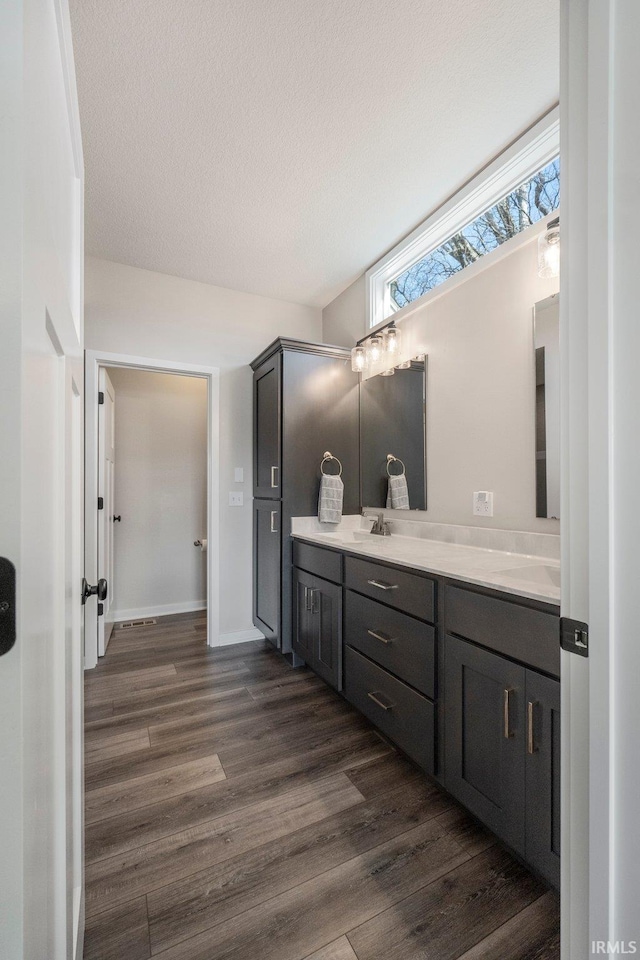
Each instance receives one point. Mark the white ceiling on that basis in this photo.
(280, 147)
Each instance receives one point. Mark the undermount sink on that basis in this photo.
(357, 536)
(540, 573)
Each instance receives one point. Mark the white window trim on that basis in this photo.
(532, 151)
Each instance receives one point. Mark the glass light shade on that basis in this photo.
(392, 341)
(359, 360)
(374, 349)
(549, 251)
(388, 373)
(404, 366)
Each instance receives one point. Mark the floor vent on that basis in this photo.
(127, 624)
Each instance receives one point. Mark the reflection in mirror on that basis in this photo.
(547, 359)
(393, 421)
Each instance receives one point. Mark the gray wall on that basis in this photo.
(478, 335)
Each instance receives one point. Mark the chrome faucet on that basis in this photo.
(381, 527)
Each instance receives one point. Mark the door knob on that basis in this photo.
(118, 518)
(99, 590)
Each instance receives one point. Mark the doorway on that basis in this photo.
(151, 493)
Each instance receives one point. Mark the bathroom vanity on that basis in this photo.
(453, 652)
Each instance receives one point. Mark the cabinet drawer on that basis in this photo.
(394, 640)
(406, 591)
(528, 635)
(399, 712)
(324, 563)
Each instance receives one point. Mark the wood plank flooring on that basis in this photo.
(237, 808)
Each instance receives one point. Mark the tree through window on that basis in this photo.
(531, 201)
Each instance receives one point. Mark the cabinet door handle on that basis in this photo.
(274, 514)
(382, 637)
(506, 713)
(385, 706)
(531, 747)
(312, 595)
(274, 477)
(306, 598)
(381, 585)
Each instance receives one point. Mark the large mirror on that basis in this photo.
(393, 439)
(547, 359)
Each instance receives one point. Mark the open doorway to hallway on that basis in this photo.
(152, 497)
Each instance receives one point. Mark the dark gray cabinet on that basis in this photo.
(461, 678)
(399, 711)
(266, 581)
(502, 748)
(542, 840)
(484, 705)
(305, 402)
(267, 428)
(317, 637)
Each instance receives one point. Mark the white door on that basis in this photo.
(106, 503)
(600, 345)
(41, 480)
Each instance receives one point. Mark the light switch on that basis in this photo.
(236, 499)
(483, 503)
(238, 474)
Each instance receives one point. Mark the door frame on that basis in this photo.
(94, 359)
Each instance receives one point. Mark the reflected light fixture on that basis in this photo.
(359, 360)
(549, 250)
(388, 373)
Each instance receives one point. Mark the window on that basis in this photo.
(529, 202)
(518, 188)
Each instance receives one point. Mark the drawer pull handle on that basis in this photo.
(274, 477)
(274, 514)
(385, 706)
(382, 586)
(380, 636)
(531, 747)
(506, 706)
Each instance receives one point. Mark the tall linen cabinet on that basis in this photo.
(305, 402)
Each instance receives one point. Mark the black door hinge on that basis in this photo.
(101, 609)
(7, 605)
(100, 503)
(574, 636)
(100, 397)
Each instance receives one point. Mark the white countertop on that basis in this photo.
(533, 577)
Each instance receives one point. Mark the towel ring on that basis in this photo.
(391, 459)
(330, 456)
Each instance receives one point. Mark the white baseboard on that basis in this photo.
(240, 636)
(144, 613)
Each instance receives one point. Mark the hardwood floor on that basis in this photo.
(236, 808)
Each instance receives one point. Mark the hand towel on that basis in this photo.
(398, 493)
(330, 499)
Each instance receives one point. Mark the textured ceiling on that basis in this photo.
(280, 147)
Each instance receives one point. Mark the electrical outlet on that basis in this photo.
(482, 503)
(238, 474)
(236, 499)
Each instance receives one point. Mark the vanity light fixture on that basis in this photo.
(549, 250)
(374, 347)
(404, 366)
(359, 359)
(391, 341)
